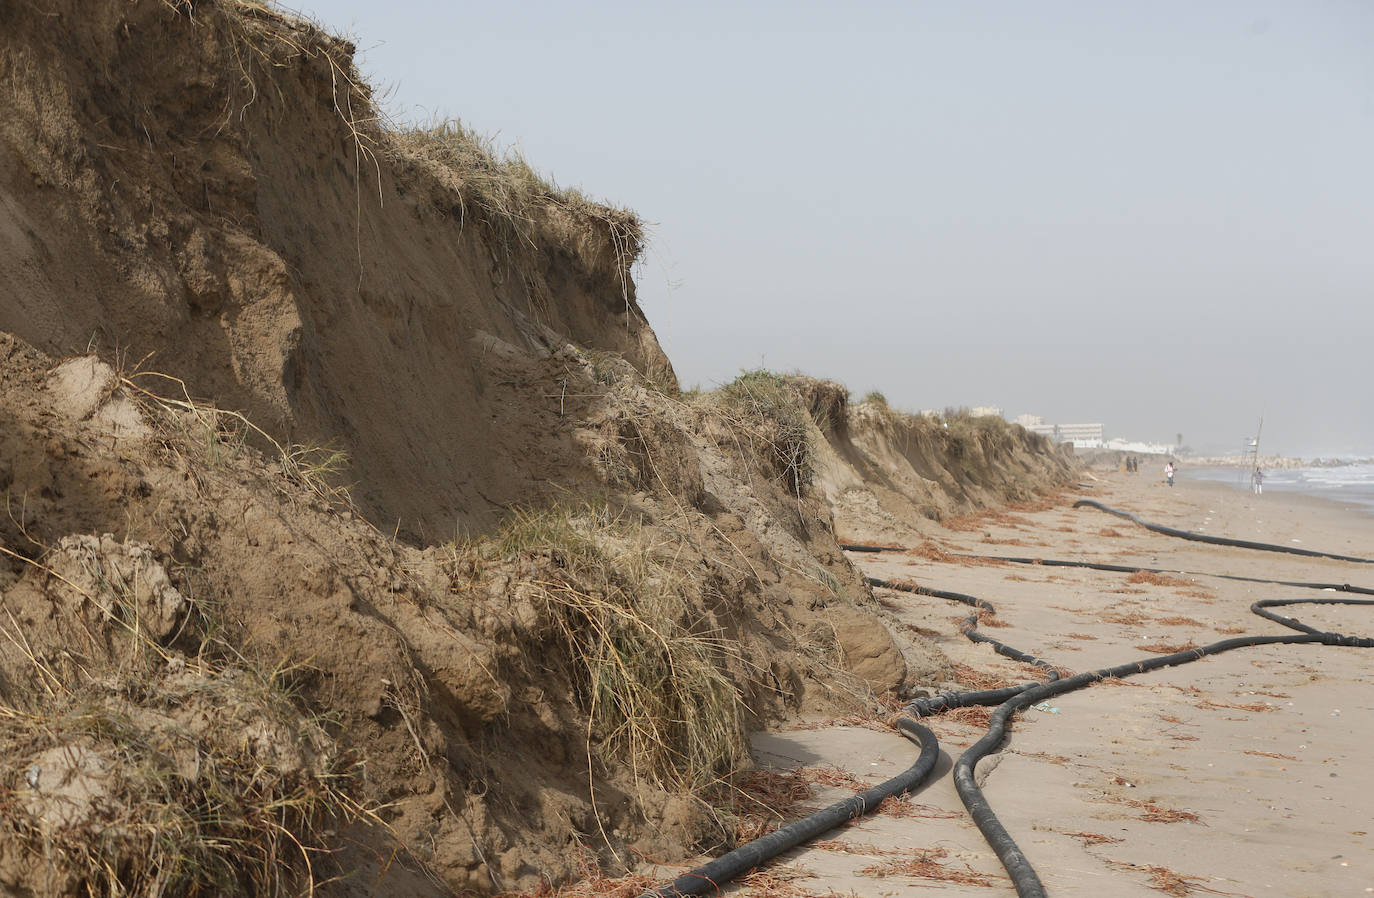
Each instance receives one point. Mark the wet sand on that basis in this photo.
(1241, 774)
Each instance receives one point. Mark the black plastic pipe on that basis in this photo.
(944, 701)
(747, 857)
(1010, 700)
(1131, 569)
(1216, 540)
(1013, 699)
(1023, 875)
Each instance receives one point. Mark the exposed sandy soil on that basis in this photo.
(1241, 774)
(343, 474)
(207, 188)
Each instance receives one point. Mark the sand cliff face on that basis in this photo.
(887, 475)
(208, 186)
(559, 593)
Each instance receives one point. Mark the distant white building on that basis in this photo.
(1143, 448)
(1082, 436)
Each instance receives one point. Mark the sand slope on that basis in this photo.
(413, 681)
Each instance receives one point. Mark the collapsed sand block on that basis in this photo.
(69, 787)
(868, 649)
(123, 580)
(87, 389)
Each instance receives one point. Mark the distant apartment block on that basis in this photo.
(1083, 436)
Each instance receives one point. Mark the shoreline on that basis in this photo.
(1278, 490)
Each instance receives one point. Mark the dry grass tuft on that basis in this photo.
(519, 209)
(1164, 648)
(1269, 754)
(651, 678)
(1170, 883)
(1255, 707)
(932, 551)
(1154, 579)
(966, 523)
(216, 437)
(1047, 502)
(769, 410)
(977, 716)
(1156, 813)
(978, 679)
(835, 777)
(925, 864)
(1125, 619)
(775, 883)
(1059, 760)
(981, 520)
(902, 806)
(761, 800)
(990, 619)
(593, 883)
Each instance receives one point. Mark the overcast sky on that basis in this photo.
(1157, 215)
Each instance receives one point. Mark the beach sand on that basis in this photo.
(1241, 774)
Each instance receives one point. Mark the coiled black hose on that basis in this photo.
(1008, 701)
(924, 707)
(751, 855)
(1023, 876)
(1013, 699)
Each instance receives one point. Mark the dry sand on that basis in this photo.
(1241, 774)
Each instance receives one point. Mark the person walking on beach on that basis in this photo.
(1169, 473)
(1257, 480)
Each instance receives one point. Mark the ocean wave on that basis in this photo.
(1353, 484)
(1349, 475)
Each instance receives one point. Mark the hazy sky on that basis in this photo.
(1157, 215)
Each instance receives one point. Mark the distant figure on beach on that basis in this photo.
(1257, 480)
(1169, 473)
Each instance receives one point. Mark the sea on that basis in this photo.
(1351, 484)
